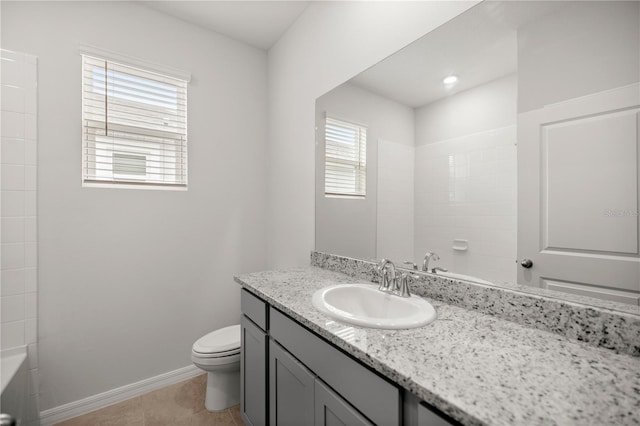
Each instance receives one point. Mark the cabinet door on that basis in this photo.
(427, 417)
(332, 410)
(369, 393)
(253, 372)
(290, 389)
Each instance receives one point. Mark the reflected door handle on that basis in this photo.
(526, 263)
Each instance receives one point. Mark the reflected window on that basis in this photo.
(345, 159)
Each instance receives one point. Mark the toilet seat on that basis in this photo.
(230, 361)
(216, 354)
(219, 343)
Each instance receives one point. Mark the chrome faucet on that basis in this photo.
(425, 263)
(427, 258)
(387, 271)
(390, 282)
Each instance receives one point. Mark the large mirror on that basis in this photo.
(520, 168)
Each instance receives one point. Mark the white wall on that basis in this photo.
(348, 226)
(601, 52)
(330, 43)
(466, 180)
(129, 279)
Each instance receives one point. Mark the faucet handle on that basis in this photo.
(403, 289)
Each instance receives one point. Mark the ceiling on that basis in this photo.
(257, 23)
(478, 46)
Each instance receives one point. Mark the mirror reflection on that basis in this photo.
(504, 144)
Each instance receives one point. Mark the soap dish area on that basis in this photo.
(460, 245)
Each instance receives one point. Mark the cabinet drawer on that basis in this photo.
(254, 308)
(374, 396)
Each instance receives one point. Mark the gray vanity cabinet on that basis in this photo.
(297, 397)
(253, 386)
(427, 417)
(419, 413)
(356, 392)
(291, 389)
(332, 410)
(253, 361)
(292, 377)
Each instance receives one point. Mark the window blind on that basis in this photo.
(345, 158)
(134, 125)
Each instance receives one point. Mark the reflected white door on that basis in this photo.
(578, 189)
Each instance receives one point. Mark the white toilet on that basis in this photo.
(218, 353)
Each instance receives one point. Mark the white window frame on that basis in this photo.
(165, 151)
(345, 161)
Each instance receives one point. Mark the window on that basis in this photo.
(134, 126)
(345, 159)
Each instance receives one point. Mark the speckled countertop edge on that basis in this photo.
(478, 369)
(600, 323)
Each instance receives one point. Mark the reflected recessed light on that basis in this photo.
(451, 79)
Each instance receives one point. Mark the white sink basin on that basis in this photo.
(365, 305)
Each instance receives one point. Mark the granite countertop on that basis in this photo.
(478, 369)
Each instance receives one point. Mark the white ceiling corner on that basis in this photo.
(257, 23)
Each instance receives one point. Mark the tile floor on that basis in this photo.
(181, 404)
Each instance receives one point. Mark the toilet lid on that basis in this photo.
(223, 340)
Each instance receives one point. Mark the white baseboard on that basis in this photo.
(101, 400)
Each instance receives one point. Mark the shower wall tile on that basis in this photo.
(31, 305)
(30, 280)
(466, 190)
(12, 308)
(31, 331)
(12, 335)
(12, 229)
(12, 203)
(12, 255)
(13, 98)
(19, 222)
(13, 151)
(13, 282)
(12, 177)
(18, 216)
(12, 124)
(30, 202)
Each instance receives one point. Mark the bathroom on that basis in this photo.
(109, 288)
